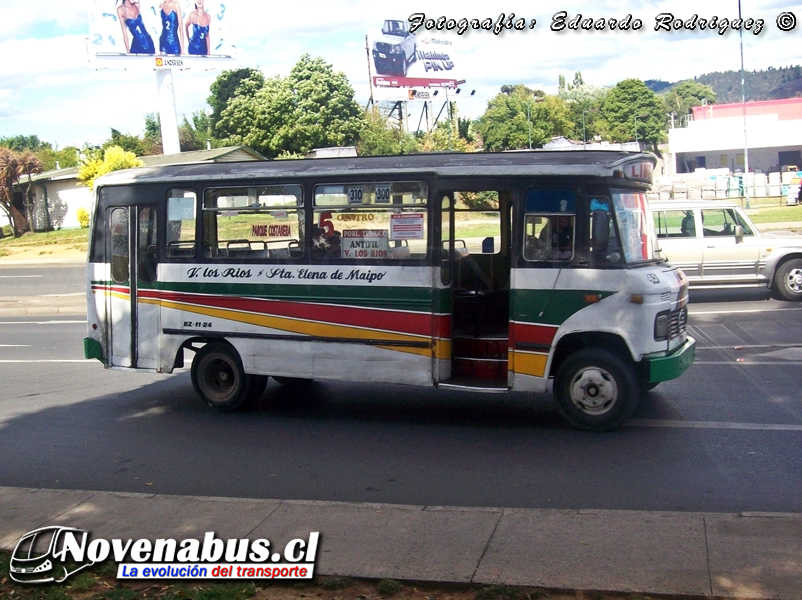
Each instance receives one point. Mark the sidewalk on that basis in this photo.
(748, 555)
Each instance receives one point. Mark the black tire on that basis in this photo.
(788, 280)
(218, 378)
(596, 390)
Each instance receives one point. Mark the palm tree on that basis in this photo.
(9, 175)
(13, 165)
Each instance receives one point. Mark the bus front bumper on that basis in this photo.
(673, 365)
(93, 349)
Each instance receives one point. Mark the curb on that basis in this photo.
(701, 555)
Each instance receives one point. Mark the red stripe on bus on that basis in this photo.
(398, 321)
(531, 334)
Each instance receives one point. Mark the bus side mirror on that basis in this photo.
(600, 235)
(739, 234)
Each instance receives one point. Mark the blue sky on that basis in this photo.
(49, 88)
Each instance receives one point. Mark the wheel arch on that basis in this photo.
(195, 343)
(779, 262)
(572, 342)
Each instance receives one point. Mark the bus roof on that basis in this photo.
(594, 163)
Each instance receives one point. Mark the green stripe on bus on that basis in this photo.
(557, 305)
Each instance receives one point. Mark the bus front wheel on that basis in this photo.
(596, 390)
(218, 378)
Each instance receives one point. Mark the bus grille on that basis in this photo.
(677, 322)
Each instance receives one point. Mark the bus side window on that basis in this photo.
(181, 223)
(253, 223)
(370, 221)
(118, 225)
(549, 237)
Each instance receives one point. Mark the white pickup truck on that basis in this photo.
(717, 246)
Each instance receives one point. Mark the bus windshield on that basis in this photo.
(635, 228)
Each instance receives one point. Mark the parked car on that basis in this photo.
(717, 246)
(395, 49)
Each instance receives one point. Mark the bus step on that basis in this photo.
(480, 368)
(480, 347)
(473, 385)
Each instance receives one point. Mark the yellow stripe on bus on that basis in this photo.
(301, 326)
(527, 363)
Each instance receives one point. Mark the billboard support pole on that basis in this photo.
(370, 75)
(167, 118)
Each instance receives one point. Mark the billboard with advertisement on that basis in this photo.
(401, 59)
(160, 33)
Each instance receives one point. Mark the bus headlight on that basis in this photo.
(661, 326)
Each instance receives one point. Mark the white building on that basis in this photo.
(58, 194)
(714, 138)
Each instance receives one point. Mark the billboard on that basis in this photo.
(160, 33)
(401, 59)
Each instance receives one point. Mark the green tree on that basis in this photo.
(445, 137)
(518, 116)
(379, 137)
(255, 120)
(192, 135)
(324, 110)
(681, 98)
(62, 159)
(312, 108)
(113, 158)
(18, 143)
(130, 143)
(229, 84)
(632, 112)
(152, 139)
(584, 103)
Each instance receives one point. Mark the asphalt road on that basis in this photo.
(724, 437)
(42, 280)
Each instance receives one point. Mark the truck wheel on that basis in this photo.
(218, 378)
(596, 390)
(788, 280)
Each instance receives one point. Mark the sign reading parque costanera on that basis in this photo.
(52, 554)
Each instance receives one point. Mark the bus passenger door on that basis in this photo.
(132, 306)
(474, 292)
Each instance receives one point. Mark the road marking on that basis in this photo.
(54, 360)
(69, 294)
(15, 345)
(710, 425)
(17, 276)
(744, 346)
(40, 322)
(735, 312)
(747, 363)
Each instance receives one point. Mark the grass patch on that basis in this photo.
(388, 587)
(774, 214)
(335, 583)
(64, 236)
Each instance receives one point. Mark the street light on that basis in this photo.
(528, 117)
(635, 120)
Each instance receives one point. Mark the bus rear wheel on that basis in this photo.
(596, 390)
(219, 379)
